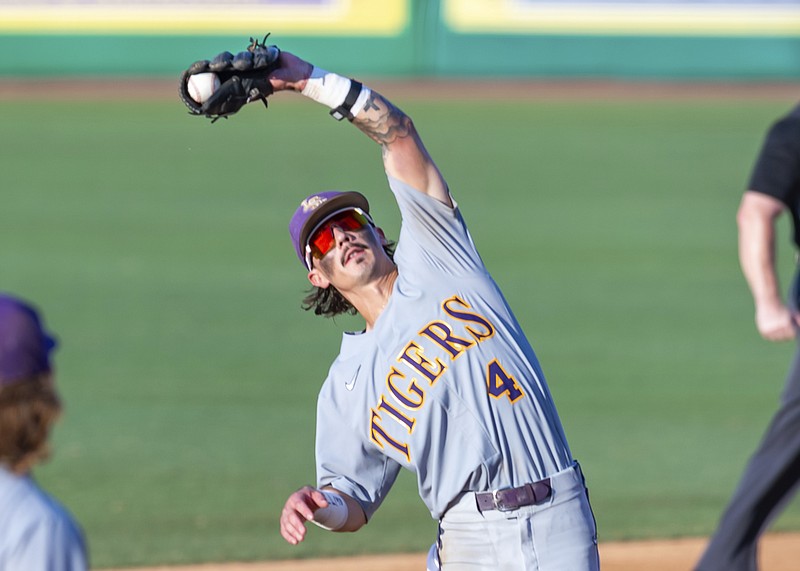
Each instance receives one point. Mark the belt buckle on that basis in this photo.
(508, 500)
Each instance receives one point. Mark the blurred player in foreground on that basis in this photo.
(36, 532)
(442, 381)
(772, 474)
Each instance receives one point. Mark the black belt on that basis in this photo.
(513, 498)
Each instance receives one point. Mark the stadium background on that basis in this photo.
(598, 149)
(697, 39)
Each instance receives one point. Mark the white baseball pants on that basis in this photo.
(558, 534)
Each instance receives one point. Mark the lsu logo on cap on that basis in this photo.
(313, 202)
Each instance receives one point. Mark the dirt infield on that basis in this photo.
(779, 552)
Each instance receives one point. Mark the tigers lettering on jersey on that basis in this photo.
(421, 364)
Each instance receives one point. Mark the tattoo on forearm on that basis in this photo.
(383, 122)
(370, 105)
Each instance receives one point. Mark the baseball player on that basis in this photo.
(36, 532)
(773, 472)
(442, 381)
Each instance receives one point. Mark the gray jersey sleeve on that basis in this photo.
(345, 460)
(433, 234)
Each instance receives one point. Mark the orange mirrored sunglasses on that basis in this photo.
(321, 240)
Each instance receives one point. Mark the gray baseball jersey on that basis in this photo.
(36, 531)
(445, 384)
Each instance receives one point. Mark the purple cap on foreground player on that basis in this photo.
(314, 210)
(24, 344)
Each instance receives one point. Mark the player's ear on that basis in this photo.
(318, 279)
(379, 230)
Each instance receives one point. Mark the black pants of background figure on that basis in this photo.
(766, 486)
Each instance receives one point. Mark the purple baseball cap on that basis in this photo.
(24, 344)
(315, 209)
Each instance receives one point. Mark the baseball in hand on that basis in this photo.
(202, 85)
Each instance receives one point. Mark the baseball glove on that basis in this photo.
(242, 77)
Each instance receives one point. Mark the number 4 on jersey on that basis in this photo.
(500, 383)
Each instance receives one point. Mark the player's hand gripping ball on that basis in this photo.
(222, 86)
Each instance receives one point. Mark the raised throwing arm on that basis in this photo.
(404, 155)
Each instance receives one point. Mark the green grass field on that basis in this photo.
(157, 246)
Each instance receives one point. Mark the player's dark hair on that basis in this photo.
(28, 410)
(328, 302)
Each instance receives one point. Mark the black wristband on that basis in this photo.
(344, 109)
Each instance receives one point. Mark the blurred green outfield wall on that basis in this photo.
(688, 39)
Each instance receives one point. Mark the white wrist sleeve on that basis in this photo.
(361, 102)
(335, 515)
(331, 90)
